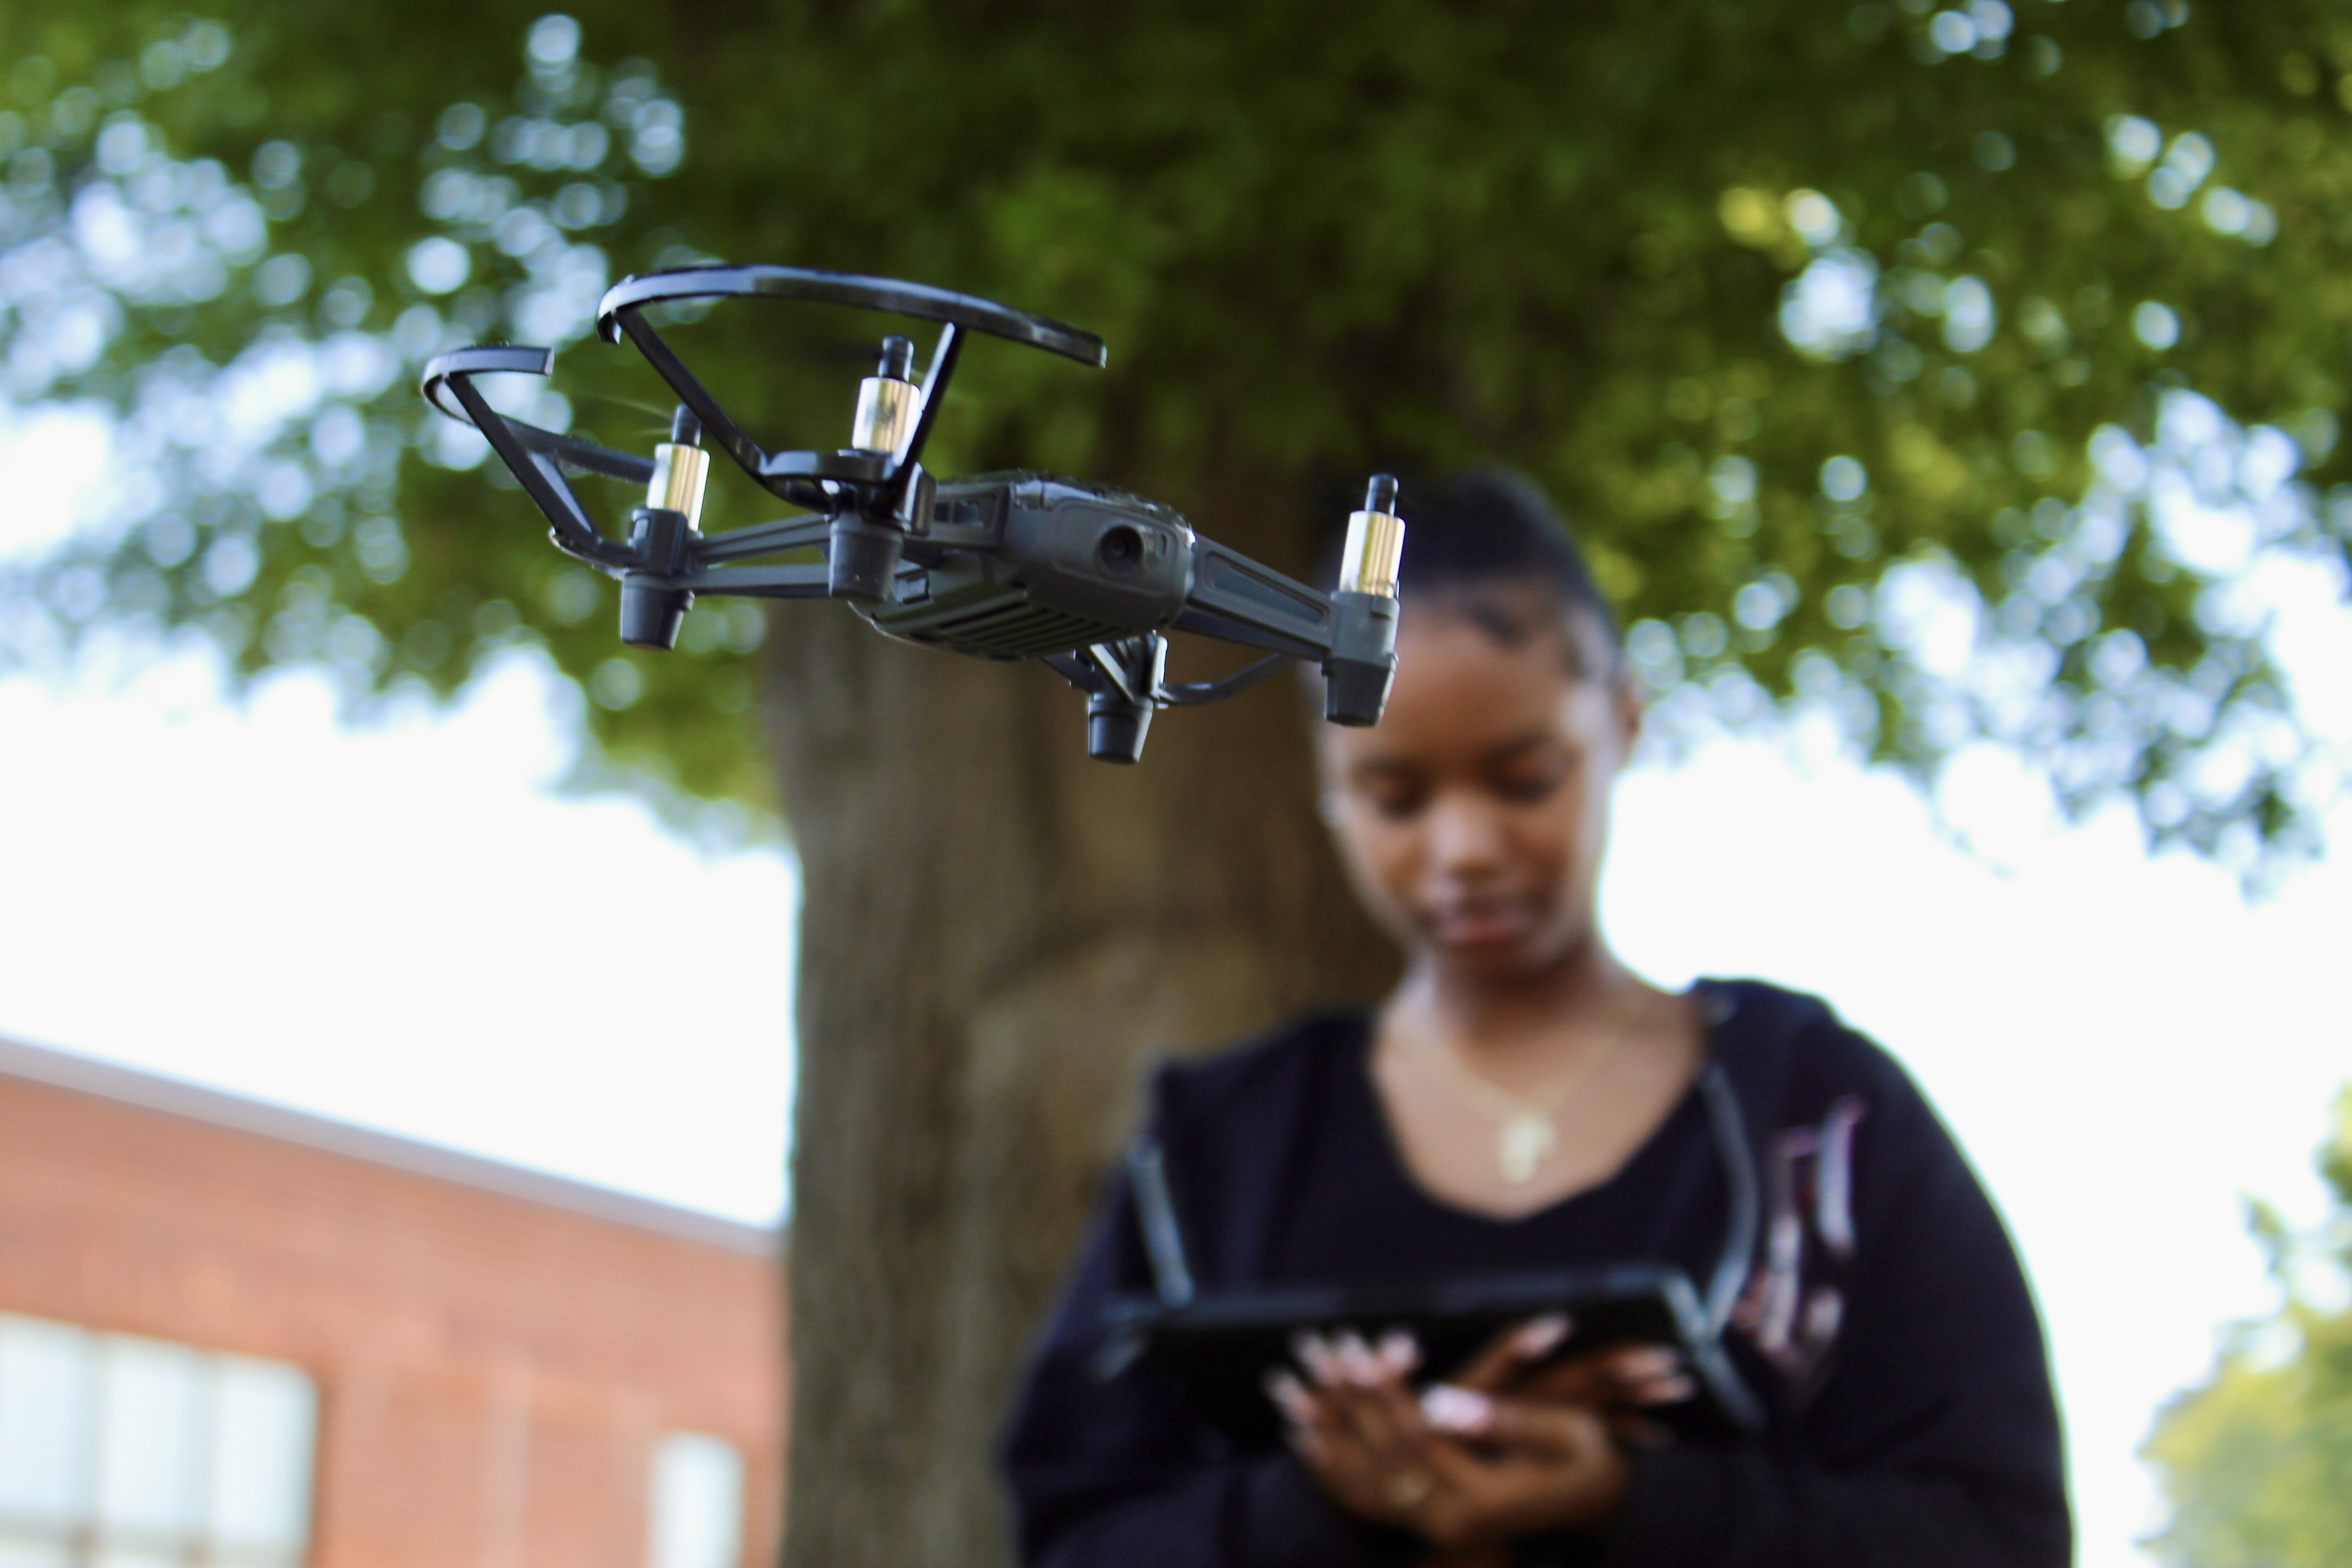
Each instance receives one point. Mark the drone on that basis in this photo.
(1084, 578)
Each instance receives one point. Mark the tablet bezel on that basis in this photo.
(1220, 1348)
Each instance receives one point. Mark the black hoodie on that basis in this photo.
(1884, 1321)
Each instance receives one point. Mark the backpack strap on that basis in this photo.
(1738, 1156)
(1155, 1209)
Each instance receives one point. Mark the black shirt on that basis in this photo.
(1354, 1214)
(1883, 1321)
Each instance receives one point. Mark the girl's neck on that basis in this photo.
(1587, 990)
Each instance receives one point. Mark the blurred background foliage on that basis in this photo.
(2258, 1462)
(1950, 371)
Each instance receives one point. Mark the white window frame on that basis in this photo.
(122, 1449)
(695, 1512)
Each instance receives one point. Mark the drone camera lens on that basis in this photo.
(1120, 548)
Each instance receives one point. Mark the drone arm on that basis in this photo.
(1255, 605)
(1209, 624)
(810, 581)
(1350, 632)
(764, 539)
(1236, 600)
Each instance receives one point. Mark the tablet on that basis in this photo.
(1221, 1348)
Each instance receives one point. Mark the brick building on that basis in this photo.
(234, 1334)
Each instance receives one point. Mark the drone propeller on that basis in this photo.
(1084, 577)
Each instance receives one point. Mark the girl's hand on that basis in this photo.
(1462, 1468)
(1619, 1378)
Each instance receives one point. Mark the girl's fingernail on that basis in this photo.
(1650, 1361)
(1451, 1409)
(1314, 1356)
(1288, 1396)
(1539, 1337)
(1398, 1352)
(1669, 1391)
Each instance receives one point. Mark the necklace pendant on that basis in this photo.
(1524, 1143)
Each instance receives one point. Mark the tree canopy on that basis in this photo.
(1943, 369)
(2254, 1461)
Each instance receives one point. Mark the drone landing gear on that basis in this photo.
(1125, 683)
(1119, 703)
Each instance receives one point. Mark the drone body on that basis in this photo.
(1043, 565)
(1086, 578)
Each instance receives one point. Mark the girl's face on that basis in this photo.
(1473, 816)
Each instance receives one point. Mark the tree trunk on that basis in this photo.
(997, 935)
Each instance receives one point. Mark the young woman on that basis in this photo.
(1524, 1101)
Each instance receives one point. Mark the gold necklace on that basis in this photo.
(1526, 1135)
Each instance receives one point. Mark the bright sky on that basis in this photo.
(405, 926)
(400, 926)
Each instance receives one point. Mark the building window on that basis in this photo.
(121, 1452)
(698, 1502)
